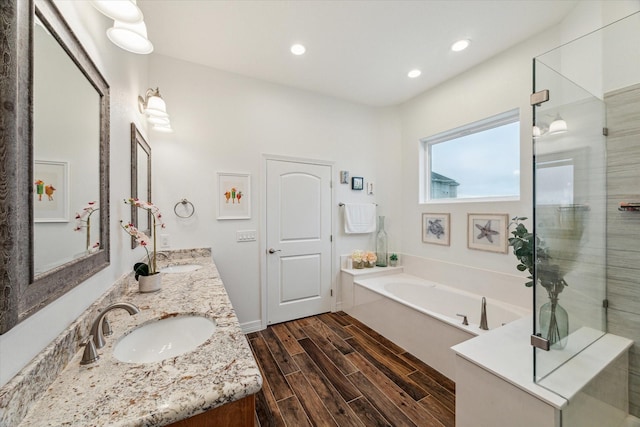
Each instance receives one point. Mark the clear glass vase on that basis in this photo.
(554, 323)
(381, 244)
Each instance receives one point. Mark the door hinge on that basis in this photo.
(331, 237)
(331, 292)
(605, 303)
(605, 131)
(539, 342)
(539, 97)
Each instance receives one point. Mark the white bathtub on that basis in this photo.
(421, 316)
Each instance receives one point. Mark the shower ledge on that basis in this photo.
(507, 354)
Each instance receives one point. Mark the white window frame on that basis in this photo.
(498, 120)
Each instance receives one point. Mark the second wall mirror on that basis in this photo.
(140, 181)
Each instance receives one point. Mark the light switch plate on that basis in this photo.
(246, 236)
(370, 188)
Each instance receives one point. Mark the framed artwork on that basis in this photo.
(357, 183)
(50, 191)
(436, 228)
(234, 195)
(487, 232)
(344, 177)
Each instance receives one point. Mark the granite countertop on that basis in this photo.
(110, 392)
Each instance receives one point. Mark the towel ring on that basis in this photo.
(186, 205)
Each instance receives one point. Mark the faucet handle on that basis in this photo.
(90, 354)
(464, 319)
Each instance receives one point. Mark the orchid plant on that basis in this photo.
(83, 220)
(142, 269)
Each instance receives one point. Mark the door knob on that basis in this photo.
(273, 251)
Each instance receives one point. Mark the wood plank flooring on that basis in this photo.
(332, 370)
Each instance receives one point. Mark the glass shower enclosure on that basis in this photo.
(569, 216)
(574, 205)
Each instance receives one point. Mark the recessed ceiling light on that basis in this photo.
(298, 49)
(414, 73)
(460, 45)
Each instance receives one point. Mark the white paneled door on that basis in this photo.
(298, 239)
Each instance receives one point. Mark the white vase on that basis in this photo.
(151, 283)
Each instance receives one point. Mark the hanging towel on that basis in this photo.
(359, 218)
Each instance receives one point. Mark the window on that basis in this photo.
(478, 160)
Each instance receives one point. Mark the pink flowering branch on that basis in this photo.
(83, 220)
(156, 216)
(142, 239)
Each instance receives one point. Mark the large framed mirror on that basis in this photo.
(54, 161)
(140, 181)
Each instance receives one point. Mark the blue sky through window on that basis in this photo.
(485, 164)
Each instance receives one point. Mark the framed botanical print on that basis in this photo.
(234, 195)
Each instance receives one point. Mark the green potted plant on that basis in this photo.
(533, 255)
(393, 259)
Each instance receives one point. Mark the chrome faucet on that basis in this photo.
(96, 328)
(483, 315)
(100, 327)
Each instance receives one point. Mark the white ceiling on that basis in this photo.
(356, 50)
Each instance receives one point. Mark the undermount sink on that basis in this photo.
(162, 339)
(180, 268)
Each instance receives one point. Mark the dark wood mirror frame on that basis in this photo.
(22, 294)
(137, 140)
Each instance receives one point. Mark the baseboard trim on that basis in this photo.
(249, 327)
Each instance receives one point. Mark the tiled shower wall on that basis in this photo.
(623, 228)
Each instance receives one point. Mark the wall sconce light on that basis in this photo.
(129, 32)
(154, 107)
(538, 131)
(130, 37)
(558, 125)
(119, 10)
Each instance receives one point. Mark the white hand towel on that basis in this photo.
(359, 218)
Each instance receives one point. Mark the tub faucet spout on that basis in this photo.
(483, 315)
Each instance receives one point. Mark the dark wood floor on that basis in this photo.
(332, 370)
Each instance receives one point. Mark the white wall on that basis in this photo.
(127, 75)
(226, 123)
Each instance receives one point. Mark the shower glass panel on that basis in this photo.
(569, 213)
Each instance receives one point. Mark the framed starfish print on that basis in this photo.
(487, 232)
